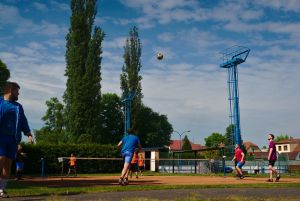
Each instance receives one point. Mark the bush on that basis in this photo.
(51, 152)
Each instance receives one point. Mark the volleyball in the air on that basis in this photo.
(159, 56)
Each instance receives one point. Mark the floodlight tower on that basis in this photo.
(127, 110)
(232, 57)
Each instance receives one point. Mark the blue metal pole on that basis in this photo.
(236, 108)
(42, 174)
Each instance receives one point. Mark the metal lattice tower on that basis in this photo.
(127, 111)
(232, 57)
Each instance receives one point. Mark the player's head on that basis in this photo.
(236, 146)
(72, 154)
(271, 137)
(11, 90)
(130, 130)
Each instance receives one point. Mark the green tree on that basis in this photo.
(130, 78)
(83, 90)
(214, 140)
(54, 130)
(54, 117)
(45, 136)
(4, 75)
(229, 140)
(229, 135)
(186, 144)
(153, 129)
(111, 118)
(281, 137)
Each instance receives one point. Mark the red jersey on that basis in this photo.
(238, 155)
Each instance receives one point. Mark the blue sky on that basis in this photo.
(187, 85)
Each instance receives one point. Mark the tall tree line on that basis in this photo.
(4, 75)
(88, 115)
(83, 57)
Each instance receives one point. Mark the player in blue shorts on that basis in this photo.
(128, 144)
(239, 158)
(12, 122)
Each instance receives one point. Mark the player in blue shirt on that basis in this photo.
(128, 144)
(12, 122)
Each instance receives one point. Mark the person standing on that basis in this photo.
(128, 144)
(72, 165)
(12, 122)
(239, 159)
(272, 157)
(141, 163)
(134, 165)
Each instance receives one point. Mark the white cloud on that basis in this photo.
(118, 42)
(59, 5)
(285, 5)
(40, 6)
(166, 37)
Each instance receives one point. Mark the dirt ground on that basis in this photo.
(146, 180)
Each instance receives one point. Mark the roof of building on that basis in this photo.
(251, 146)
(293, 155)
(175, 145)
(289, 141)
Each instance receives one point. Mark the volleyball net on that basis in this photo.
(167, 165)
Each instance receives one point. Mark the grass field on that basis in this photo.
(152, 181)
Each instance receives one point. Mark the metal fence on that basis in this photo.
(204, 166)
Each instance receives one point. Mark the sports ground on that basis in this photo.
(161, 187)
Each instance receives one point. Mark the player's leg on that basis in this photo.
(271, 164)
(239, 168)
(236, 170)
(136, 170)
(130, 170)
(8, 151)
(75, 171)
(69, 171)
(127, 156)
(275, 172)
(4, 177)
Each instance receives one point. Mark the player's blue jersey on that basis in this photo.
(129, 143)
(12, 119)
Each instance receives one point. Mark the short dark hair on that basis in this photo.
(130, 130)
(9, 86)
(272, 136)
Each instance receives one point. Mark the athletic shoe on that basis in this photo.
(125, 181)
(136, 177)
(270, 180)
(3, 195)
(120, 181)
(242, 177)
(277, 178)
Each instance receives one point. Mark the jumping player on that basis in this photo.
(272, 157)
(239, 159)
(128, 144)
(12, 122)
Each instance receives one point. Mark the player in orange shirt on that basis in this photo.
(72, 166)
(141, 163)
(134, 165)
